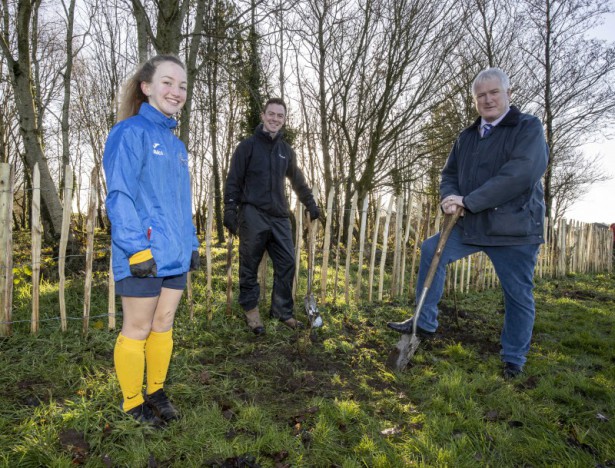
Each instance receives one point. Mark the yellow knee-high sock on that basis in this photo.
(129, 357)
(158, 349)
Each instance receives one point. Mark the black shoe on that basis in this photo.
(405, 327)
(144, 415)
(511, 370)
(258, 331)
(161, 405)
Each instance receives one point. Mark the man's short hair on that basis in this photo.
(274, 100)
(488, 74)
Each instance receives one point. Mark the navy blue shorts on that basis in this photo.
(148, 287)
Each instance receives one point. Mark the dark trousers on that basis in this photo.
(258, 232)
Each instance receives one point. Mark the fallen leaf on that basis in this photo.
(530, 383)
(297, 428)
(74, 442)
(391, 431)
(416, 426)
(205, 377)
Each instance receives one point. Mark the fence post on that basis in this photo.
(209, 232)
(35, 225)
(588, 251)
(374, 248)
(340, 224)
(89, 249)
(6, 246)
(361, 245)
(66, 213)
(404, 253)
(111, 295)
(469, 273)
(417, 237)
(208, 237)
(462, 274)
(326, 246)
(189, 296)
(563, 251)
(610, 252)
(351, 218)
(385, 244)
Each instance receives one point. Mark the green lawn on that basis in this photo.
(288, 399)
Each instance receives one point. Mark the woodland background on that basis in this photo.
(377, 92)
(377, 89)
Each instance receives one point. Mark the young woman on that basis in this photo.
(153, 238)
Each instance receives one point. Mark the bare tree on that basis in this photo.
(572, 177)
(317, 28)
(69, 11)
(572, 82)
(388, 83)
(17, 46)
(490, 35)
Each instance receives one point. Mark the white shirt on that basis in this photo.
(483, 122)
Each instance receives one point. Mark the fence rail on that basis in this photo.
(574, 247)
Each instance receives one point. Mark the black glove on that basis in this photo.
(195, 261)
(142, 264)
(230, 220)
(314, 212)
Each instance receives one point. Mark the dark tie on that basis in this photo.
(487, 129)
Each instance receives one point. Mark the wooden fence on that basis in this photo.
(400, 227)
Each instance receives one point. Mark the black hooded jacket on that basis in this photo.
(258, 168)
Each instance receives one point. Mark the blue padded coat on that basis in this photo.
(149, 200)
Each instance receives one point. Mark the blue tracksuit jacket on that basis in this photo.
(148, 200)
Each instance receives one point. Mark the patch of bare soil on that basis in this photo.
(460, 326)
(583, 295)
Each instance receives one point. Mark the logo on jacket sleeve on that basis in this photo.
(281, 156)
(157, 151)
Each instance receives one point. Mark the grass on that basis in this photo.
(291, 399)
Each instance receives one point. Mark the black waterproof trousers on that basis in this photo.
(259, 231)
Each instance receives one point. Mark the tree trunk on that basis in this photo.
(67, 75)
(24, 89)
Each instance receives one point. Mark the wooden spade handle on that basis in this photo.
(449, 222)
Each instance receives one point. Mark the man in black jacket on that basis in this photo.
(256, 208)
(494, 174)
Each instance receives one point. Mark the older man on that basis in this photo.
(494, 173)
